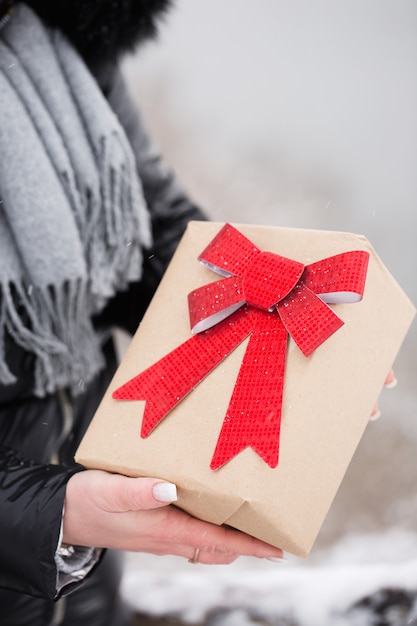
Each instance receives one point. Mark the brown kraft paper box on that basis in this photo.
(328, 398)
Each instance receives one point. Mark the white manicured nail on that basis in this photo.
(392, 384)
(165, 492)
(276, 559)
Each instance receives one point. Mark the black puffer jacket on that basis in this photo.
(38, 437)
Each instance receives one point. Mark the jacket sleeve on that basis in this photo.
(31, 503)
(169, 206)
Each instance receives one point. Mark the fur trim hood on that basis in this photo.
(102, 29)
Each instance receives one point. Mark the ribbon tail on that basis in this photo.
(165, 383)
(253, 418)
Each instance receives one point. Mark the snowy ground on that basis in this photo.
(301, 113)
(327, 592)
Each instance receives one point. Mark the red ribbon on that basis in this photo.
(264, 296)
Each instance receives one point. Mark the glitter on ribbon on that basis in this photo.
(267, 298)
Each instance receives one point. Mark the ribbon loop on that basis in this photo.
(339, 278)
(229, 253)
(210, 304)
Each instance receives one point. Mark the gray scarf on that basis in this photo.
(73, 217)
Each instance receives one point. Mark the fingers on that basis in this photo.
(134, 494)
(233, 545)
(215, 544)
(376, 414)
(120, 494)
(390, 380)
(390, 383)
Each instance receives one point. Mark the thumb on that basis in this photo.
(133, 494)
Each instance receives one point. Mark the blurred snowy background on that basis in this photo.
(300, 113)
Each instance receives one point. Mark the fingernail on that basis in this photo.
(165, 492)
(277, 559)
(392, 384)
(375, 416)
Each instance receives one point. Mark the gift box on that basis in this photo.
(252, 376)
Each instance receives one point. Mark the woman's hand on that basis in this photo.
(112, 511)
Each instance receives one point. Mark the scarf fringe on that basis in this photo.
(113, 248)
(47, 323)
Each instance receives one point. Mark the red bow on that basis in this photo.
(266, 296)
